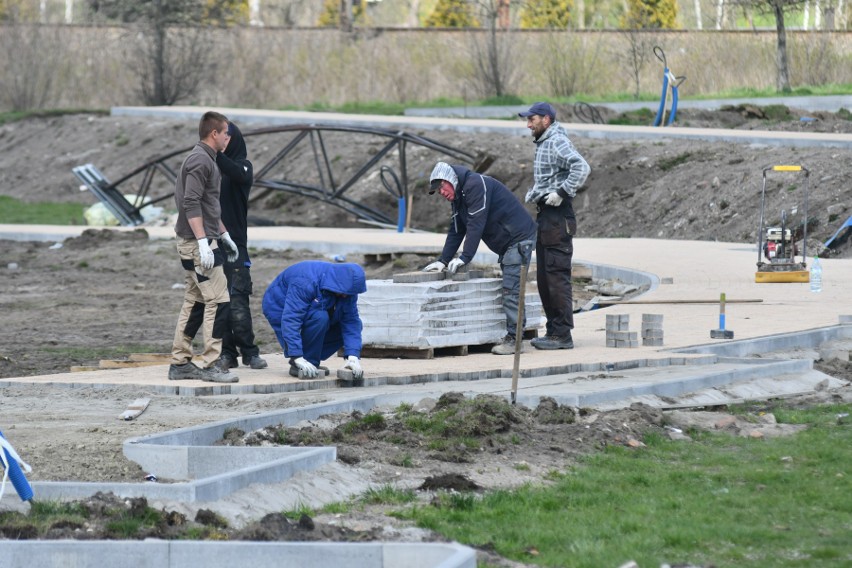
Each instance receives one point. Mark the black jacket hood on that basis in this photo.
(236, 149)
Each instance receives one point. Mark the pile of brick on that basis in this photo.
(438, 313)
(618, 332)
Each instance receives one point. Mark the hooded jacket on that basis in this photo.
(558, 166)
(485, 210)
(237, 177)
(314, 285)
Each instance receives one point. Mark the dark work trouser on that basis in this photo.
(512, 262)
(554, 251)
(239, 334)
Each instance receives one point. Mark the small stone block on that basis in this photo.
(721, 334)
(652, 341)
(652, 318)
(652, 334)
(419, 276)
(344, 378)
(633, 343)
(610, 343)
(668, 280)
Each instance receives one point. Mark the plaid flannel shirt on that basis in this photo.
(558, 166)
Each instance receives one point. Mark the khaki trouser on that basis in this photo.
(204, 302)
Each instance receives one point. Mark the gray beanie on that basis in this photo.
(442, 171)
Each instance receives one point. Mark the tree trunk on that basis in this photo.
(69, 11)
(494, 61)
(806, 14)
(720, 13)
(698, 24)
(580, 15)
(346, 16)
(414, 14)
(783, 79)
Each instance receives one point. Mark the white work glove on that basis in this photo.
(436, 266)
(206, 254)
(455, 264)
(553, 199)
(231, 252)
(354, 364)
(306, 367)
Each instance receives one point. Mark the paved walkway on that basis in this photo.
(699, 272)
(516, 127)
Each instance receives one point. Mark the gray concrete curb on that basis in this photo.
(180, 554)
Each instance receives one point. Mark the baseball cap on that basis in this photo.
(541, 109)
(442, 171)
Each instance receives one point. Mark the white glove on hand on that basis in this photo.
(206, 254)
(306, 368)
(553, 199)
(231, 252)
(455, 264)
(436, 266)
(354, 364)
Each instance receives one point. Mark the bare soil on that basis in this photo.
(105, 295)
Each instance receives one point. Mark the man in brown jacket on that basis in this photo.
(198, 227)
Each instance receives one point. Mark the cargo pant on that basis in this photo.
(554, 252)
(205, 301)
(515, 259)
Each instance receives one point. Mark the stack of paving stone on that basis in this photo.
(652, 330)
(618, 332)
(438, 313)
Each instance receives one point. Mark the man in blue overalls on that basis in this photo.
(313, 308)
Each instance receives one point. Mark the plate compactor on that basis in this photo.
(776, 248)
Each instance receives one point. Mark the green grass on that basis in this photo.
(729, 502)
(14, 211)
(14, 116)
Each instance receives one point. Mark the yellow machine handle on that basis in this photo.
(786, 168)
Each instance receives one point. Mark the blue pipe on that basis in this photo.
(674, 105)
(19, 481)
(400, 219)
(659, 119)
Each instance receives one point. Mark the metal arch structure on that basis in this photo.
(330, 189)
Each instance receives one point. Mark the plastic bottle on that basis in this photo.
(816, 276)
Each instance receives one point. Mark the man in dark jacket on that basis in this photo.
(237, 177)
(313, 308)
(485, 210)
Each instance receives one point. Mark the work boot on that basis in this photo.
(185, 372)
(255, 362)
(216, 374)
(226, 362)
(507, 347)
(554, 342)
(535, 340)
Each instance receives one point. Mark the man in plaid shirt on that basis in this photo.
(559, 171)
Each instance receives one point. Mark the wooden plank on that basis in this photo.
(161, 357)
(135, 408)
(638, 302)
(397, 353)
(83, 368)
(124, 364)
